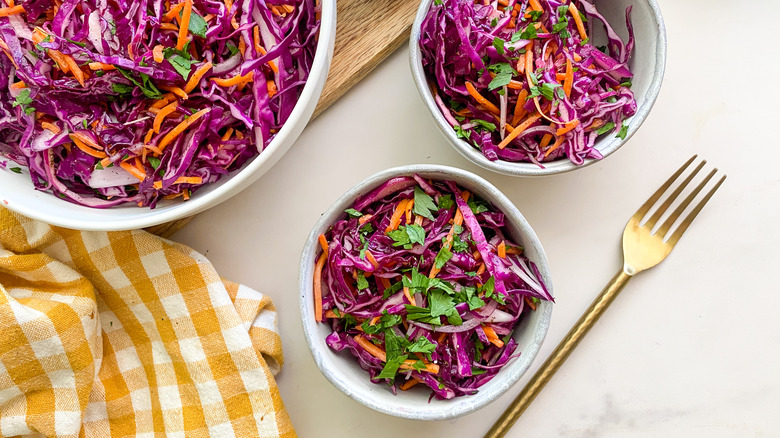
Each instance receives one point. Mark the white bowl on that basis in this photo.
(18, 194)
(342, 368)
(647, 63)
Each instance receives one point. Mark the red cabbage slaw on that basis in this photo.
(112, 102)
(422, 284)
(521, 81)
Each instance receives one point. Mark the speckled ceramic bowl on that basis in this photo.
(342, 368)
(647, 63)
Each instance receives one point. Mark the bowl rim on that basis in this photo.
(233, 183)
(523, 168)
(458, 406)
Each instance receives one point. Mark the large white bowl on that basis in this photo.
(18, 194)
(647, 63)
(342, 368)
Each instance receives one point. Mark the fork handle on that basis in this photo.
(561, 353)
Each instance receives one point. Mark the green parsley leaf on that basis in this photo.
(423, 204)
(422, 314)
(418, 282)
(623, 132)
(446, 202)
(23, 98)
(98, 166)
(147, 87)
(198, 25)
(627, 83)
(400, 236)
(45, 40)
(440, 303)
(182, 65)
(607, 127)
(461, 133)
(442, 257)
(15, 169)
(477, 205)
(112, 26)
(535, 15)
(391, 367)
(422, 345)
(120, 88)
(362, 283)
(547, 90)
(459, 245)
(528, 33)
(437, 2)
(499, 81)
(85, 124)
(498, 43)
(154, 161)
(560, 94)
(416, 233)
(392, 290)
(473, 300)
(490, 127)
(353, 213)
(232, 49)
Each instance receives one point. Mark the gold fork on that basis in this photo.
(642, 249)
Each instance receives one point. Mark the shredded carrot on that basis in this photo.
(184, 27)
(86, 140)
(514, 250)
(235, 80)
(132, 170)
(530, 303)
(271, 85)
(227, 134)
(331, 314)
(545, 140)
(408, 295)
(164, 112)
(13, 10)
(395, 219)
(441, 338)
(75, 69)
(408, 384)
(288, 8)
(501, 249)
(19, 84)
(535, 5)
(173, 12)
(157, 53)
(181, 180)
(318, 287)
(481, 269)
(381, 355)
(529, 64)
(173, 195)
(371, 259)
(175, 90)
(577, 57)
(365, 218)
(568, 80)
(575, 13)
(568, 127)
(408, 211)
(51, 127)
(168, 26)
(323, 243)
(193, 82)
(105, 162)
(95, 153)
(10, 3)
(166, 99)
(492, 336)
(185, 194)
(101, 66)
(479, 98)
(169, 137)
(457, 221)
(418, 220)
(556, 145)
(520, 107)
(519, 130)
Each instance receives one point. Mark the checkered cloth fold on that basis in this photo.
(127, 334)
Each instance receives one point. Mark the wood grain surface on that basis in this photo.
(367, 32)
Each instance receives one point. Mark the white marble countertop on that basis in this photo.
(690, 349)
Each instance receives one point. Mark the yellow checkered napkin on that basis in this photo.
(126, 334)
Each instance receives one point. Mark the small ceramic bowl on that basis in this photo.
(342, 369)
(18, 193)
(647, 63)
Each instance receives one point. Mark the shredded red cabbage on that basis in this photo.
(83, 83)
(422, 284)
(573, 92)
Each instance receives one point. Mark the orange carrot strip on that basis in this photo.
(408, 211)
(519, 130)
(535, 5)
(408, 295)
(242, 46)
(168, 26)
(235, 80)
(479, 98)
(323, 243)
(288, 8)
(193, 82)
(481, 269)
(175, 90)
(514, 250)
(169, 137)
(132, 170)
(520, 107)
(51, 127)
(318, 287)
(575, 13)
(75, 69)
(395, 219)
(166, 99)
(271, 85)
(101, 66)
(365, 218)
(173, 12)
(529, 64)
(568, 127)
(85, 140)
(157, 53)
(371, 259)
(457, 221)
(545, 140)
(492, 336)
(13, 10)
(184, 27)
(568, 80)
(181, 180)
(408, 384)
(501, 249)
(530, 303)
(331, 314)
(556, 145)
(381, 355)
(19, 84)
(87, 149)
(148, 136)
(164, 112)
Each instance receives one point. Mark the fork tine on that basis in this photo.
(687, 221)
(670, 199)
(684, 204)
(653, 199)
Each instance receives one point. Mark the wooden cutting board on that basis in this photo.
(367, 32)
